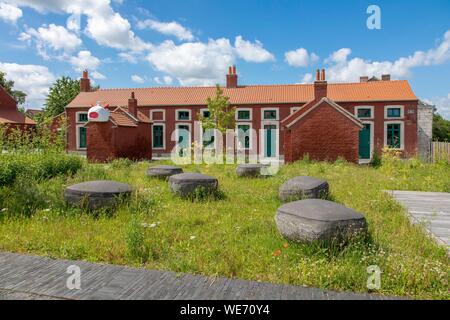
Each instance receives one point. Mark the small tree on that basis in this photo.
(441, 128)
(61, 93)
(221, 115)
(8, 85)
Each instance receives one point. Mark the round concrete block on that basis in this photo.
(249, 170)
(303, 187)
(163, 171)
(318, 220)
(97, 194)
(186, 184)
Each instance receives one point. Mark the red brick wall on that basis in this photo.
(6, 101)
(106, 142)
(324, 134)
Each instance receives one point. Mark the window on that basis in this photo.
(208, 138)
(243, 114)
(183, 115)
(270, 114)
(364, 113)
(158, 136)
(206, 113)
(82, 143)
(393, 135)
(394, 113)
(243, 135)
(82, 117)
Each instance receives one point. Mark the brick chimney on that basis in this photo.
(320, 85)
(232, 78)
(386, 77)
(132, 105)
(85, 82)
(364, 79)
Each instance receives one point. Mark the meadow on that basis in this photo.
(235, 235)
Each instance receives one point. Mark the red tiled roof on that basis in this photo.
(11, 116)
(398, 90)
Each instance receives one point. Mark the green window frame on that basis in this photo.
(394, 112)
(364, 113)
(244, 135)
(183, 115)
(270, 114)
(243, 114)
(82, 117)
(82, 138)
(158, 136)
(393, 134)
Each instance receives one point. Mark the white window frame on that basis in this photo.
(402, 134)
(372, 136)
(262, 141)
(270, 109)
(183, 110)
(77, 116)
(251, 135)
(402, 112)
(190, 131)
(250, 110)
(295, 109)
(372, 110)
(160, 124)
(77, 134)
(158, 110)
(203, 110)
(201, 131)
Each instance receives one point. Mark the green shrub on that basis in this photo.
(135, 240)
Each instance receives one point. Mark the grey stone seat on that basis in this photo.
(249, 170)
(185, 184)
(303, 187)
(97, 194)
(318, 220)
(163, 171)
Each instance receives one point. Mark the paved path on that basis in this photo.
(429, 208)
(29, 277)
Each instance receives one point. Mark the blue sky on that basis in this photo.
(134, 43)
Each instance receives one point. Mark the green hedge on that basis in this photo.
(36, 166)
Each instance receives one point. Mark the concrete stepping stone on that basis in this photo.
(163, 171)
(186, 184)
(249, 170)
(303, 187)
(318, 220)
(97, 194)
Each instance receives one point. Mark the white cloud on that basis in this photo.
(442, 105)
(128, 57)
(168, 28)
(85, 61)
(166, 80)
(9, 13)
(137, 79)
(344, 69)
(104, 25)
(53, 37)
(195, 63)
(300, 58)
(97, 75)
(252, 52)
(74, 23)
(34, 80)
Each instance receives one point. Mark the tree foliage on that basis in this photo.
(221, 115)
(441, 128)
(18, 95)
(61, 93)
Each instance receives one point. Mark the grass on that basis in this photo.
(235, 235)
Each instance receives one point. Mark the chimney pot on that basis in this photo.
(317, 75)
(234, 69)
(323, 75)
(232, 78)
(132, 105)
(230, 70)
(85, 82)
(386, 77)
(364, 79)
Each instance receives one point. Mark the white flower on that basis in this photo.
(47, 210)
(4, 209)
(192, 237)
(145, 225)
(153, 225)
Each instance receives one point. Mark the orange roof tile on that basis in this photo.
(398, 90)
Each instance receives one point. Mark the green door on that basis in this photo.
(82, 138)
(364, 142)
(270, 141)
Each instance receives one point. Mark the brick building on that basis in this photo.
(10, 116)
(323, 120)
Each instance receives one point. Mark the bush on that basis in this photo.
(36, 165)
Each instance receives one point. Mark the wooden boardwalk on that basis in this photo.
(432, 209)
(29, 277)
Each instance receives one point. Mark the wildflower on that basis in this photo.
(153, 225)
(47, 210)
(144, 225)
(192, 237)
(4, 210)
